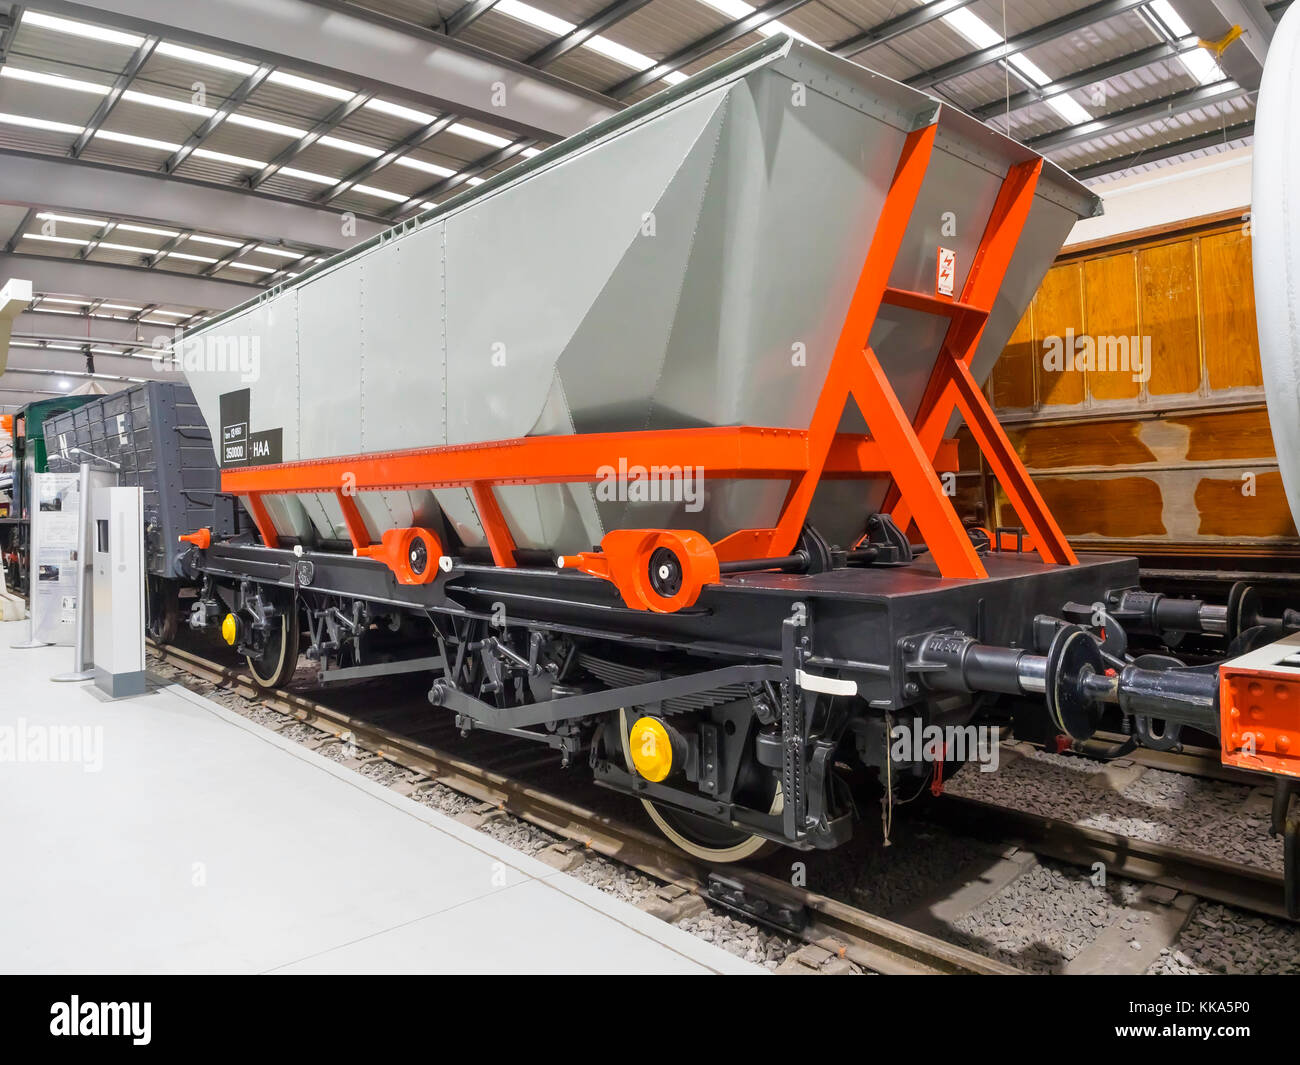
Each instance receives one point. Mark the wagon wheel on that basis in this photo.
(700, 836)
(164, 611)
(278, 662)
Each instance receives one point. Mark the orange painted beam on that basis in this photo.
(984, 280)
(949, 543)
(495, 528)
(265, 527)
(1047, 537)
(921, 301)
(352, 518)
(860, 317)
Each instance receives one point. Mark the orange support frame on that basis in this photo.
(896, 447)
(951, 385)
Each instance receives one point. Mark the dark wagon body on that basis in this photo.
(154, 438)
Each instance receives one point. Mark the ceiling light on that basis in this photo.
(558, 27)
(191, 258)
(221, 242)
(351, 146)
(1069, 109)
(139, 142)
(737, 9)
(1198, 62)
(1203, 66)
(206, 59)
(40, 123)
(317, 88)
(81, 29)
(151, 230)
(973, 28)
(307, 175)
(233, 160)
(265, 126)
(428, 168)
(73, 219)
(55, 240)
(57, 81)
(1030, 70)
(982, 35)
(250, 266)
(126, 247)
(383, 194)
(387, 107)
(150, 100)
(281, 252)
(480, 135)
(534, 17)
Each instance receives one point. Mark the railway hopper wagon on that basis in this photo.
(639, 449)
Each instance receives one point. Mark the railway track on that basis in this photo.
(1190, 760)
(1246, 887)
(829, 928)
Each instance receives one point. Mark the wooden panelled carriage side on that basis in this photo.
(1157, 468)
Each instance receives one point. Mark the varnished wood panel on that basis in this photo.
(1228, 295)
(1113, 507)
(1228, 435)
(1226, 512)
(1111, 307)
(1013, 374)
(1191, 292)
(1170, 316)
(1112, 442)
(1058, 307)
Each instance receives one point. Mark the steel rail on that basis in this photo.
(864, 938)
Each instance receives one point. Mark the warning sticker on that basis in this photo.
(946, 272)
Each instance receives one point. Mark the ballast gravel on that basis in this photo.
(1043, 919)
(1219, 940)
(1192, 813)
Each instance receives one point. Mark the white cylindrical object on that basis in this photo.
(1275, 225)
